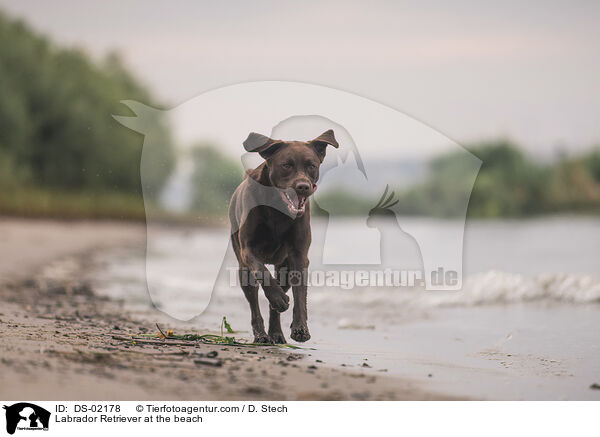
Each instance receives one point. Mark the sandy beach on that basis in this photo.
(58, 336)
(73, 294)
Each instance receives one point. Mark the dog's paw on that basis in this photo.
(300, 334)
(262, 339)
(277, 338)
(278, 300)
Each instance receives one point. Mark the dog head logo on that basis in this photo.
(388, 140)
(26, 416)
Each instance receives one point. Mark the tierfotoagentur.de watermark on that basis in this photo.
(344, 279)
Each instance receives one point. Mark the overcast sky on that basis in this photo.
(528, 70)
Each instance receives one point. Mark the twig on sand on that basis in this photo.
(161, 331)
(193, 339)
(156, 342)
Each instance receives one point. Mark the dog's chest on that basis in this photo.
(272, 239)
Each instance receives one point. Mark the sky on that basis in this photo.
(470, 70)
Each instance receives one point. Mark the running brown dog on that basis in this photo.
(270, 224)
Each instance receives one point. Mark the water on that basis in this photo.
(525, 325)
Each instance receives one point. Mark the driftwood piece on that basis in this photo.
(216, 362)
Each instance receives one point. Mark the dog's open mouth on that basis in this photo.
(295, 203)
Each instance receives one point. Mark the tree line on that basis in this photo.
(62, 153)
(59, 144)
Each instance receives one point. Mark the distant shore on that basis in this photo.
(58, 336)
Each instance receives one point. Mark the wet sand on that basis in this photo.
(57, 336)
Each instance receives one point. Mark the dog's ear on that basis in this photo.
(265, 146)
(322, 141)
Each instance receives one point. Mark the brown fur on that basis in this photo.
(268, 229)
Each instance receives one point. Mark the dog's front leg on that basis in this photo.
(298, 263)
(250, 289)
(278, 300)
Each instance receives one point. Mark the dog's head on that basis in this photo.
(292, 166)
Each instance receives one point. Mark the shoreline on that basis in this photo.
(57, 336)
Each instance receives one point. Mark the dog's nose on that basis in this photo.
(303, 188)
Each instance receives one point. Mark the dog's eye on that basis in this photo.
(312, 167)
(287, 165)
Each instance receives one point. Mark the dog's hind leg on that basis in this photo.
(275, 331)
(278, 300)
(282, 275)
(251, 292)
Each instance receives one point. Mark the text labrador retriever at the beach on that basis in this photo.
(270, 224)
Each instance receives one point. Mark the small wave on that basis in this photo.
(497, 287)
(489, 288)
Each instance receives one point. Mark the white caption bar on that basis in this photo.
(256, 418)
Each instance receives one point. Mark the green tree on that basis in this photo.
(214, 180)
(56, 128)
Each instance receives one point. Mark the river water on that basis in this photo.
(525, 325)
